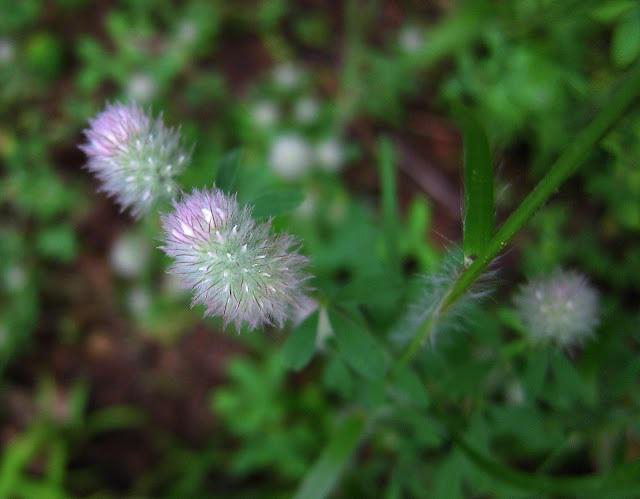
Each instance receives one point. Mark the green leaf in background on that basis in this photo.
(625, 45)
(227, 172)
(535, 373)
(301, 344)
(274, 202)
(609, 11)
(17, 456)
(356, 345)
(387, 171)
(479, 211)
(409, 388)
(58, 243)
(326, 471)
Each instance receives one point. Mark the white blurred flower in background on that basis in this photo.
(265, 113)
(290, 156)
(141, 87)
(187, 32)
(330, 154)
(306, 110)
(139, 301)
(287, 76)
(15, 278)
(7, 51)
(130, 255)
(411, 39)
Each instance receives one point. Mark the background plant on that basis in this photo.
(112, 387)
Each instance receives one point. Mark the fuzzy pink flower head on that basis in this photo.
(563, 308)
(135, 156)
(234, 265)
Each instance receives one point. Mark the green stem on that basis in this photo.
(575, 154)
(388, 184)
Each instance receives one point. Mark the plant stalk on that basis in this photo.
(570, 160)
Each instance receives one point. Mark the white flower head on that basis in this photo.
(411, 39)
(187, 32)
(306, 110)
(141, 87)
(287, 76)
(330, 154)
(562, 308)
(15, 278)
(130, 255)
(290, 156)
(265, 113)
(139, 301)
(7, 51)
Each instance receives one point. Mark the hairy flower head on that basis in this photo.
(134, 156)
(561, 309)
(234, 266)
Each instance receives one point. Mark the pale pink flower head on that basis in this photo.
(135, 157)
(563, 308)
(234, 265)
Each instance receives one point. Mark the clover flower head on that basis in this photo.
(235, 267)
(290, 156)
(135, 156)
(7, 51)
(411, 39)
(306, 110)
(330, 154)
(287, 75)
(562, 308)
(130, 255)
(141, 87)
(265, 113)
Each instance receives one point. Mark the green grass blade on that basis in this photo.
(325, 473)
(479, 212)
(389, 192)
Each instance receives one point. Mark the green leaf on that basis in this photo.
(625, 45)
(535, 373)
(326, 471)
(337, 377)
(16, 457)
(301, 344)
(408, 387)
(610, 10)
(276, 202)
(227, 172)
(356, 345)
(479, 212)
(58, 243)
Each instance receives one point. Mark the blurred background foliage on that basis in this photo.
(112, 387)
